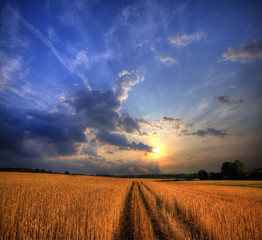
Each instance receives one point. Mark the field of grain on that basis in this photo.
(48, 206)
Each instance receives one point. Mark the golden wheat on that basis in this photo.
(48, 206)
(211, 212)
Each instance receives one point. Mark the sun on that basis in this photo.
(156, 151)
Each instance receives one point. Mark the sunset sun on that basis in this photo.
(156, 151)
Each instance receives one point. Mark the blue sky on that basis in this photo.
(130, 87)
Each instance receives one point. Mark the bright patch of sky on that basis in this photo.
(96, 86)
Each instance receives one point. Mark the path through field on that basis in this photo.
(145, 217)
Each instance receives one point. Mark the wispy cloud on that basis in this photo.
(245, 53)
(9, 67)
(70, 65)
(165, 59)
(184, 39)
(225, 99)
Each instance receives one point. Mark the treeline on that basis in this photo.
(231, 171)
(29, 170)
(189, 176)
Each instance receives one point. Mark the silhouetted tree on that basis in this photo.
(215, 176)
(233, 170)
(202, 175)
(256, 174)
(66, 172)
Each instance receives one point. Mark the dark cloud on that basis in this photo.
(99, 109)
(225, 99)
(245, 53)
(19, 128)
(168, 119)
(206, 132)
(64, 131)
(121, 141)
(29, 136)
(128, 124)
(12, 129)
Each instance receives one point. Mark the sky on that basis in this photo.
(130, 87)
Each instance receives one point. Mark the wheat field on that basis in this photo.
(56, 206)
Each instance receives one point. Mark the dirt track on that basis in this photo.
(143, 217)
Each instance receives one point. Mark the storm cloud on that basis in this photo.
(18, 127)
(36, 133)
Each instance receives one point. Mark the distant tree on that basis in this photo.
(202, 175)
(233, 170)
(66, 172)
(215, 176)
(256, 174)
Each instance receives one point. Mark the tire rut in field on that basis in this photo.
(154, 219)
(190, 225)
(126, 226)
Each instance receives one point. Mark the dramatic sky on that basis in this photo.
(130, 87)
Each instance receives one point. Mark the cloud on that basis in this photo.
(70, 65)
(173, 123)
(137, 167)
(144, 123)
(100, 165)
(225, 99)
(10, 67)
(10, 24)
(168, 60)
(64, 131)
(206, 132)
(89, 150)
(184, 39)
(124, 82)
(128, 124)
(12, 129)
(121, 141)
(98, 109)
(168, 119)
(245, 53)
(20, 128)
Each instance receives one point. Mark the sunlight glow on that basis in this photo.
(156, 150)
(159, 148)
